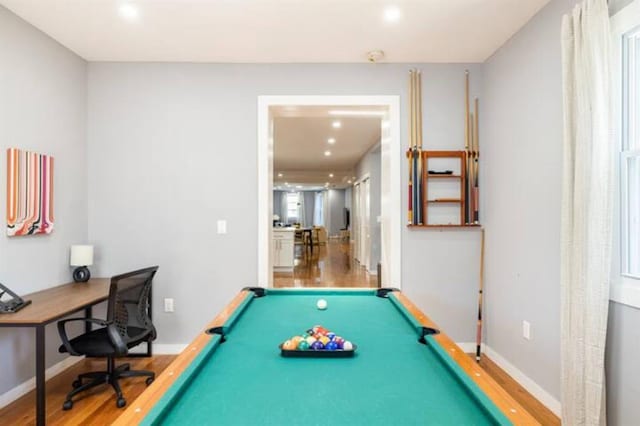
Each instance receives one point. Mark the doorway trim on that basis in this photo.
(390, 200)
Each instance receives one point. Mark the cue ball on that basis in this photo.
(322, 304)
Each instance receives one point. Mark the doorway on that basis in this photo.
(390, 208)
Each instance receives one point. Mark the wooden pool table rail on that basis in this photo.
(509, 407)
(137, 410)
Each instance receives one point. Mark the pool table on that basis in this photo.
(404, 371)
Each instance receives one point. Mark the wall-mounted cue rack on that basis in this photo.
(443, 185)
(443, 181)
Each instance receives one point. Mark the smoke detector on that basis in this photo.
(374, 56)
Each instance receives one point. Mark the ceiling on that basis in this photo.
(277, 31)
(301, 137)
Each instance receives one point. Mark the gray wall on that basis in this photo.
(42, 109)
(370, 164)
(186, 128)
(335, 215)
(623, 369)
(521, 175)
(521, 120)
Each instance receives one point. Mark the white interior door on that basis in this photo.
(356, 222)
(366, 223)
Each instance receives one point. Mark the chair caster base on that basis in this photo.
(121, 402)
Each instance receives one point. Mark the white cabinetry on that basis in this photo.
(282, 249)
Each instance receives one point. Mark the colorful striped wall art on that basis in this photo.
(29, 193)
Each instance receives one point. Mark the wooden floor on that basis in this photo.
(99, 406)
(531, 404)
(94, 407)
(330, 265)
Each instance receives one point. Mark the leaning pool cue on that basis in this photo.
(479, 330)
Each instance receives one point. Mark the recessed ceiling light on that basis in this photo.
(286, 183)
(331, 175)
(357, 113)
(392, 14)
(331, 141)
(336, 124)
(279, 174)
(348, 181)
(327, 153)
(128, 11)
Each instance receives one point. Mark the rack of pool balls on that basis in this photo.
(317, 342)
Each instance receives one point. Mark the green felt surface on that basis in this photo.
(392, 379)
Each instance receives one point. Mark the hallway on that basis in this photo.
(330, 265)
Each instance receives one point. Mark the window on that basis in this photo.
(293, 204)
(626, 31)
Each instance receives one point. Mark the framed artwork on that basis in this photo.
(29, 193)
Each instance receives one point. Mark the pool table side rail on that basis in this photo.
(143, 405)
(501, 398)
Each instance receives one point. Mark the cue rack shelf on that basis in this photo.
(454, 183)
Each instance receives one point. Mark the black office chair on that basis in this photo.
(127, 325)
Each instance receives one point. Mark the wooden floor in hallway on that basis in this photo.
(329, 265)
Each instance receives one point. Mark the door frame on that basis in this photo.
(391, 209)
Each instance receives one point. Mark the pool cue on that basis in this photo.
(419, 143)
(479, 330)
(476, 159)
(410, 151)
(466, 146)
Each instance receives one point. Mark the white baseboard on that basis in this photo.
(168, 349)
(468, 347)
(26, 387)
(532, 387)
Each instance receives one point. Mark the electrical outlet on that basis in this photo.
(168, 305)
(222, 227)
(526, 330)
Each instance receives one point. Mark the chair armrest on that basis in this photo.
(63, 332)
(116, 340)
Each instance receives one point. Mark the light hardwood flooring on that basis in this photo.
(94, 407)
(98, 407)
(330, 265)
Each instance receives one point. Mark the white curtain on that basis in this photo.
(302, 211)
(284, 213)
(586, 211)
(318, 209)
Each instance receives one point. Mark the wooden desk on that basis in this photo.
(51, 305)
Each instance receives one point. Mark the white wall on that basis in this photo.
(42, 109)
(164, 141)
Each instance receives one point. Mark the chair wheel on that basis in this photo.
(68, 405)
(76, 384)
(149, 380)
(121, 402)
